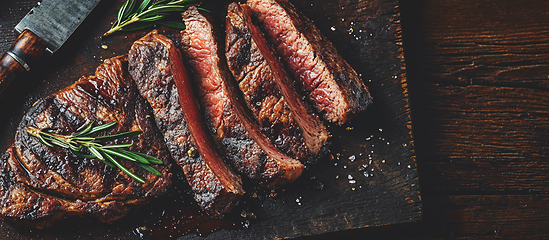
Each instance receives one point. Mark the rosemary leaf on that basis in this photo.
(74, 147)
(123, 10)
(148, 12)
(163, 9)
(96, 153)
(143, 5)
(124, 169)
(43, 141)
(59, 143)
(184, 1)
(119, 135)
(117, 146)
(82, 155)
(152, 18)
(134, 156)
(118, 154)
(101, 128)
(203, 9)
(150, 158)
(108, 161)
(128, 11)
(85, 131)
(150, 169)
(81, 140)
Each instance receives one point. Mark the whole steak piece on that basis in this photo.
(40, 185)
(332, 85)
(156, 65)
(238, 136)
(270, 92)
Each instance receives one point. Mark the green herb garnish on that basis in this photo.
(148, 13)
(79, 142)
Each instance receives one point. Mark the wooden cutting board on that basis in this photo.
(370, 178)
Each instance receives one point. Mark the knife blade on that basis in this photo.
(45, 28)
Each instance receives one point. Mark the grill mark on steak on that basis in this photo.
(40, 185)
(237, 135)
(331, 84)
(269, 91)
(26, 205)
(157, 68)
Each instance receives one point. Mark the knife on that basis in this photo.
(45, 28)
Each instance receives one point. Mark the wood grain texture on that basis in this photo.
(480, 80)
(25, 52)
(466, 217)
(9, 69)
(497, 43)
(372, 179)
(483, 138)
(477, 77)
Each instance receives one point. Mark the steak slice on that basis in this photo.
(156, 66)
(269, 91)
(41, 184)
(333, 87)
(239, 138)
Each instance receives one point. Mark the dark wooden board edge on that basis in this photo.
(390, 195)
(389, 116)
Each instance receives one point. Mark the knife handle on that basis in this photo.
(23, 53)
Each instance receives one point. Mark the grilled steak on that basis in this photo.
(330, 83)
(269, 91)
(40, 185)
(156, 65)
(237, 135)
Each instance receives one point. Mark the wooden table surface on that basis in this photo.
(478, 83)
(478, 78)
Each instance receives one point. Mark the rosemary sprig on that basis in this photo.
(148, 13)
(80, 141)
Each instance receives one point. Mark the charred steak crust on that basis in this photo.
(25, 205)
(239, 138)
(269, 91)
(40, 184)
(151, 65)
(331, 84)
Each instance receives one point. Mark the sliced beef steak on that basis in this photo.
(237, 135)
(269, 91)
(156, 66)
(329, 81)
(41, 184)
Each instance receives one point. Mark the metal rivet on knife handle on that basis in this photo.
(25, 51)
(19, 60)
(45, 28)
